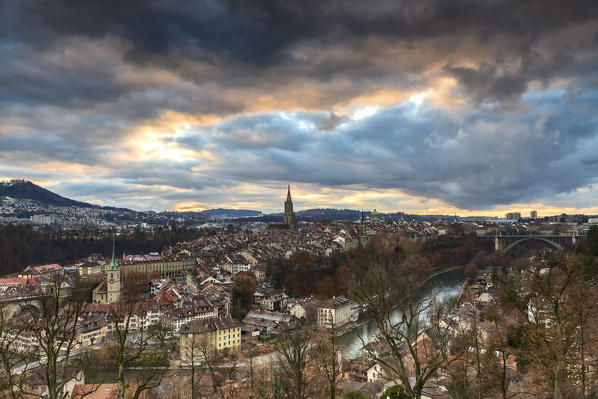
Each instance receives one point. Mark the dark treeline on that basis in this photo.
(323, 277)
(21, 246)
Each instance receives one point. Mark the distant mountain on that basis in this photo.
(222, 213)
(25, 190)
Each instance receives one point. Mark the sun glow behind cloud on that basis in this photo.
(371, 108)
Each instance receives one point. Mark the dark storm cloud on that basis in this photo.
(245, 37)
(259, 30)
(477, 162)
(78, 79)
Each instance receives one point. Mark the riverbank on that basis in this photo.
(441, 286)
(443, 271)
(363, 321)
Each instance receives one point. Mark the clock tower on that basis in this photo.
(113, 279)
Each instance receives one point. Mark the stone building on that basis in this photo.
(289, 215)
(109, 290)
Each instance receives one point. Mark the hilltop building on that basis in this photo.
(374, 216)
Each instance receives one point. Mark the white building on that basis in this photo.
(337, 312)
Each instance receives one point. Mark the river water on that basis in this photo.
(442, 286)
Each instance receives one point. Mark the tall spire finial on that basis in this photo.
(289, 192)
(113, 263)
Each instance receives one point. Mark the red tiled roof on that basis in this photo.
(54, 267)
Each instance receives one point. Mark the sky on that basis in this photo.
(472, 107)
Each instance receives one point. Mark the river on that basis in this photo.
(442, 286)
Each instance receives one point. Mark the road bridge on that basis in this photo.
(504, 243)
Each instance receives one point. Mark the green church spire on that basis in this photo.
(113, 264)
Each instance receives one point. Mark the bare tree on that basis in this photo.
(292, 364)
(406, 322)
(255, 375)
(582, 307)
(149, 367)
(551, 330)
(207, 362)
(194, 352)
(14, 359)
(465, 342)
(159, 331)
(55, 325)
(499, 352)
(326, 353)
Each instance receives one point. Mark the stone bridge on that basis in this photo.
(11, 305)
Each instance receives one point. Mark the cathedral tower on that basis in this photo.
(289, 215)
(113, 279)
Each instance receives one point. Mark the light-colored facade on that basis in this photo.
(89, 269)
(166, 268)
(177, 319)
(91, 333)
(211, 334)
(113, 285)
(337, 312)
(298, 311)
(236, 267)
(272, 300)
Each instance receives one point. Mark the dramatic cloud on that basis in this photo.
(410, 105)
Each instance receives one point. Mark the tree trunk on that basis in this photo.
(121, 382)
(558, 381)
(583, 360)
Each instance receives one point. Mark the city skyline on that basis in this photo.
(473, 108)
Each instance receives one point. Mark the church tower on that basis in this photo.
(362, 237)
(289, 215)
(113, 279)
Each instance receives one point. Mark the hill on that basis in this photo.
(26, 190)
(221, 213)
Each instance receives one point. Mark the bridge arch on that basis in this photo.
(10, 308)
(546, 240)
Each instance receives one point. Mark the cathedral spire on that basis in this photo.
(289, 215)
